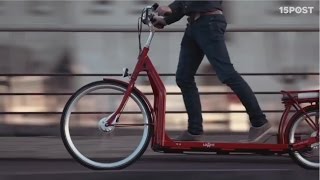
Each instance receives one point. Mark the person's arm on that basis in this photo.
(176, 12)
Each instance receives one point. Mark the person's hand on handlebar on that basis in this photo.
(159, 22)
(164, 10)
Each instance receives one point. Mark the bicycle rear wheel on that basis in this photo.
(96, 146)
(301, 130)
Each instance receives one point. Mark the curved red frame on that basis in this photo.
(162, 142)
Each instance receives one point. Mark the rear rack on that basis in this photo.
(300, 96)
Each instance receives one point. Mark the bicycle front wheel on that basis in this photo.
(96, 146)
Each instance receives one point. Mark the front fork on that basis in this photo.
(111, 120)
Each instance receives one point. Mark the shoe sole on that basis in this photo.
(262, 138)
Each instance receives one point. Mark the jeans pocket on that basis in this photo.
(217, 30)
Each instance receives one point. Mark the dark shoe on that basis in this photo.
(258, 134)
(186, 136)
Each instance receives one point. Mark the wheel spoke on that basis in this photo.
(105, 147)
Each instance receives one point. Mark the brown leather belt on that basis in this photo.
(210, 12)
(194, 16)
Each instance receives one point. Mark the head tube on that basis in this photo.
(151, 34)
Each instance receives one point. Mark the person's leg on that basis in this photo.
(213, 44)
(189, 61)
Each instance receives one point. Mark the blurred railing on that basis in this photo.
(133, 28)
(146, 93)
(127, 29)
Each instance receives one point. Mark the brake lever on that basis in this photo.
(155, 6)
(151, 18)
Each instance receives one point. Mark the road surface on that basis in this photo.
(45, 158)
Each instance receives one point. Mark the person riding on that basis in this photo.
(204, 35)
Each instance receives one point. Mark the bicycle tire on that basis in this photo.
(72, 149)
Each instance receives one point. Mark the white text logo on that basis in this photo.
(296, 10)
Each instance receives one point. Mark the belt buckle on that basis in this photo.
(193, 18)
(197, 16)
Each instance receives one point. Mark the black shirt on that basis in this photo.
(182, 8)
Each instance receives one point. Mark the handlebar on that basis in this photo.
(148, 13)
(147, 18)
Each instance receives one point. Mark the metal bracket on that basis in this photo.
(126, 73)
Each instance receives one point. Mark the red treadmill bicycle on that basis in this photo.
(108, 124)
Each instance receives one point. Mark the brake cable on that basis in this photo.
(140, 30)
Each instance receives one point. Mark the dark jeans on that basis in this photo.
(205, 36)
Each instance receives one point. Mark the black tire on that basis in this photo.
(301, 156)
(93, 164)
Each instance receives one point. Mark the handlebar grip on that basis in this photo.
(155, 6)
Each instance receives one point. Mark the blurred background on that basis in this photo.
(31, 104)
